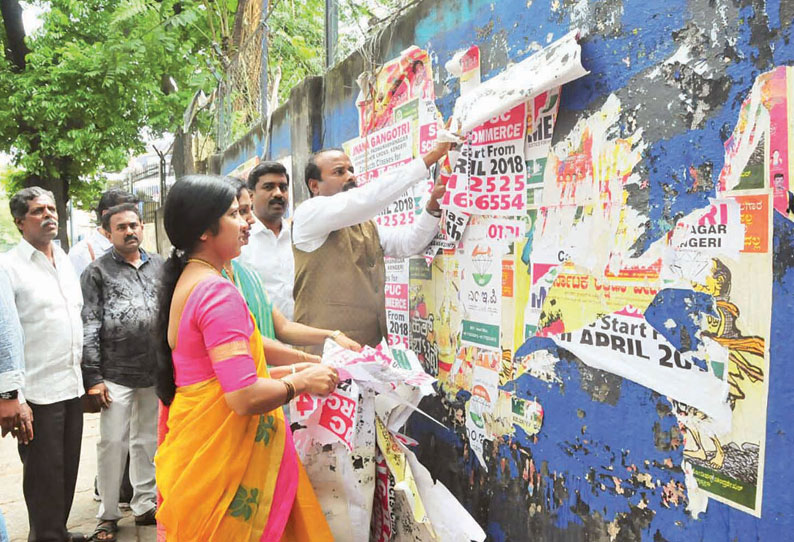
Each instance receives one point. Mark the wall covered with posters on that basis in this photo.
(608, 307)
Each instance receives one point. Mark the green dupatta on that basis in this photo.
(250, 285)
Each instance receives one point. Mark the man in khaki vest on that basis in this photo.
(339, 250)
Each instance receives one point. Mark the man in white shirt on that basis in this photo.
(269, 248)
(339, 250)
(96, 244)
(48, 300)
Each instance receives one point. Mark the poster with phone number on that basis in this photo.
(489, 176)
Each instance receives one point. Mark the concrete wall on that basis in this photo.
(607, 463)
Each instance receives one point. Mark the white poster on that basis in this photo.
(627, 345)
(397, 302)
(481, 294)
(555, 65)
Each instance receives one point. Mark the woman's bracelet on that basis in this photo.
(290, 390)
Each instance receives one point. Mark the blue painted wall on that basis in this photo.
(686, 116)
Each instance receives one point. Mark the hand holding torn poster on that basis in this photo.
(337, 440)
(331, 419)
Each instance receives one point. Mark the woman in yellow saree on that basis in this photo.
(227, 468)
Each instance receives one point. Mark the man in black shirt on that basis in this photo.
(119, 291)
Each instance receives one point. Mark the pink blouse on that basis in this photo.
(213, 337)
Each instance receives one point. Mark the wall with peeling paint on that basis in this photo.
(607, 463)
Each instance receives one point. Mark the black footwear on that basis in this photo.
(147, 518)
(107, 527)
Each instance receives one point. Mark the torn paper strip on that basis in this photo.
(628, 346)
(555, 65)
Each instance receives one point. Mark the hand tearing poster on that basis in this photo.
(489, 175)
(340, 438)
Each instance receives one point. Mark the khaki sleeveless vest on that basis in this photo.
(341, 285)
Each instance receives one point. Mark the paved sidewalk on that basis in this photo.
(84, 509)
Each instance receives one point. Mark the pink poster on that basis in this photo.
(773, 93)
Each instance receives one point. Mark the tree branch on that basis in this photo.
(237, 31)
(15, 48)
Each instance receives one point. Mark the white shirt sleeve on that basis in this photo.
(80, 257)
(406, 241)
(317, 217)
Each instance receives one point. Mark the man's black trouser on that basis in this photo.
(50, 468)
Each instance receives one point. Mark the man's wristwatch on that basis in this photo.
(436, 213)
(334, 335)
(7, 395)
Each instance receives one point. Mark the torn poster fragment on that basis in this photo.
(466, 65)
(336, 437)
(398, 81)
(717, 229)
(625, 344)
(422, 510)
(495, 231)
(396, 294)
(555, 65)
(526, 414)
(541, 118)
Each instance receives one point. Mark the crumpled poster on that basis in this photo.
(336, 439)
(332, 419)
(421, 510)
(555, 65)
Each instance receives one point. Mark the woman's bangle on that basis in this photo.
(290, 390)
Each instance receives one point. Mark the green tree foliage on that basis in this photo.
(296, 43)
(297, 35)
(9, 235)
(78, 93)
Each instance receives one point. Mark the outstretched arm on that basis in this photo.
(406, 241)
(319, 216)
(303, 335)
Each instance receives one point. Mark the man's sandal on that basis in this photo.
(108, 527)
(76, 537)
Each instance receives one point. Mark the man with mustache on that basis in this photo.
(269, 248)
(120, 308)
(81, 254)
(48, 301)
(96, 244)
(339, 267)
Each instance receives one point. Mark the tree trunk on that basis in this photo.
(60, 189)
(15, 49)
(237, 31)
(182, 155)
